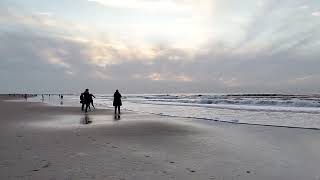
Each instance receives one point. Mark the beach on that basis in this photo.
(60, 142)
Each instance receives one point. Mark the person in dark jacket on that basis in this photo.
(82, 101)
(86, 99)
(117, 101)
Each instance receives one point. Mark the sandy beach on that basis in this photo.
(41, 142)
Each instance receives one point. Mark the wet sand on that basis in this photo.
(44, 142)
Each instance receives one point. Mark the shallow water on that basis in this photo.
(301, 111)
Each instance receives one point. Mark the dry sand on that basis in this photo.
(44, 142)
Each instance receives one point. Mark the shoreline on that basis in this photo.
(47, 142)
(99, 110)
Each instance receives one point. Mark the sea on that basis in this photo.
(279, 110)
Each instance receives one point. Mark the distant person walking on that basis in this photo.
(117, 101)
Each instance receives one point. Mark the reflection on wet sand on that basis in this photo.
(116, 118)
(85, 119)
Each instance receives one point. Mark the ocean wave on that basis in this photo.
(237, 107)
(251, 100)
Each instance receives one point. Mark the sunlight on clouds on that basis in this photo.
(100, 75)
(136, 40)
(43, 13)
(164, 5)
(183, 78)
(189, 25)
(103, 54)
(100, 51)
(155, 77)
(159, 41)
(167, 77)
(52, 59)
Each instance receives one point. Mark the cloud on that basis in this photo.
(43, 13)
(166, 5)
(271, 52)
(304, 7)
(316, 13)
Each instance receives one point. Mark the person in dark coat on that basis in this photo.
(86, 99)
(82, 101)
(117, 101)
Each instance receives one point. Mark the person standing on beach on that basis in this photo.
(91, 96)
(86, 99)
(117, 101)
(82, 101)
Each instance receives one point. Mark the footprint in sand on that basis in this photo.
(91, 138)
(190, 170)
(45, 164)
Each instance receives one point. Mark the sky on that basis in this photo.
(160, 46)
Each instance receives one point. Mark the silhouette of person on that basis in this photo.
(91, 96)
(86, 119)
(117, 101)
(86, 99)
(82, 101)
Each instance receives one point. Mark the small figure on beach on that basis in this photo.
(117, 102)
(91, 96)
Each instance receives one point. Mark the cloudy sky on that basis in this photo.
(160, 46)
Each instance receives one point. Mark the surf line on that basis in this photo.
(232, 122)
